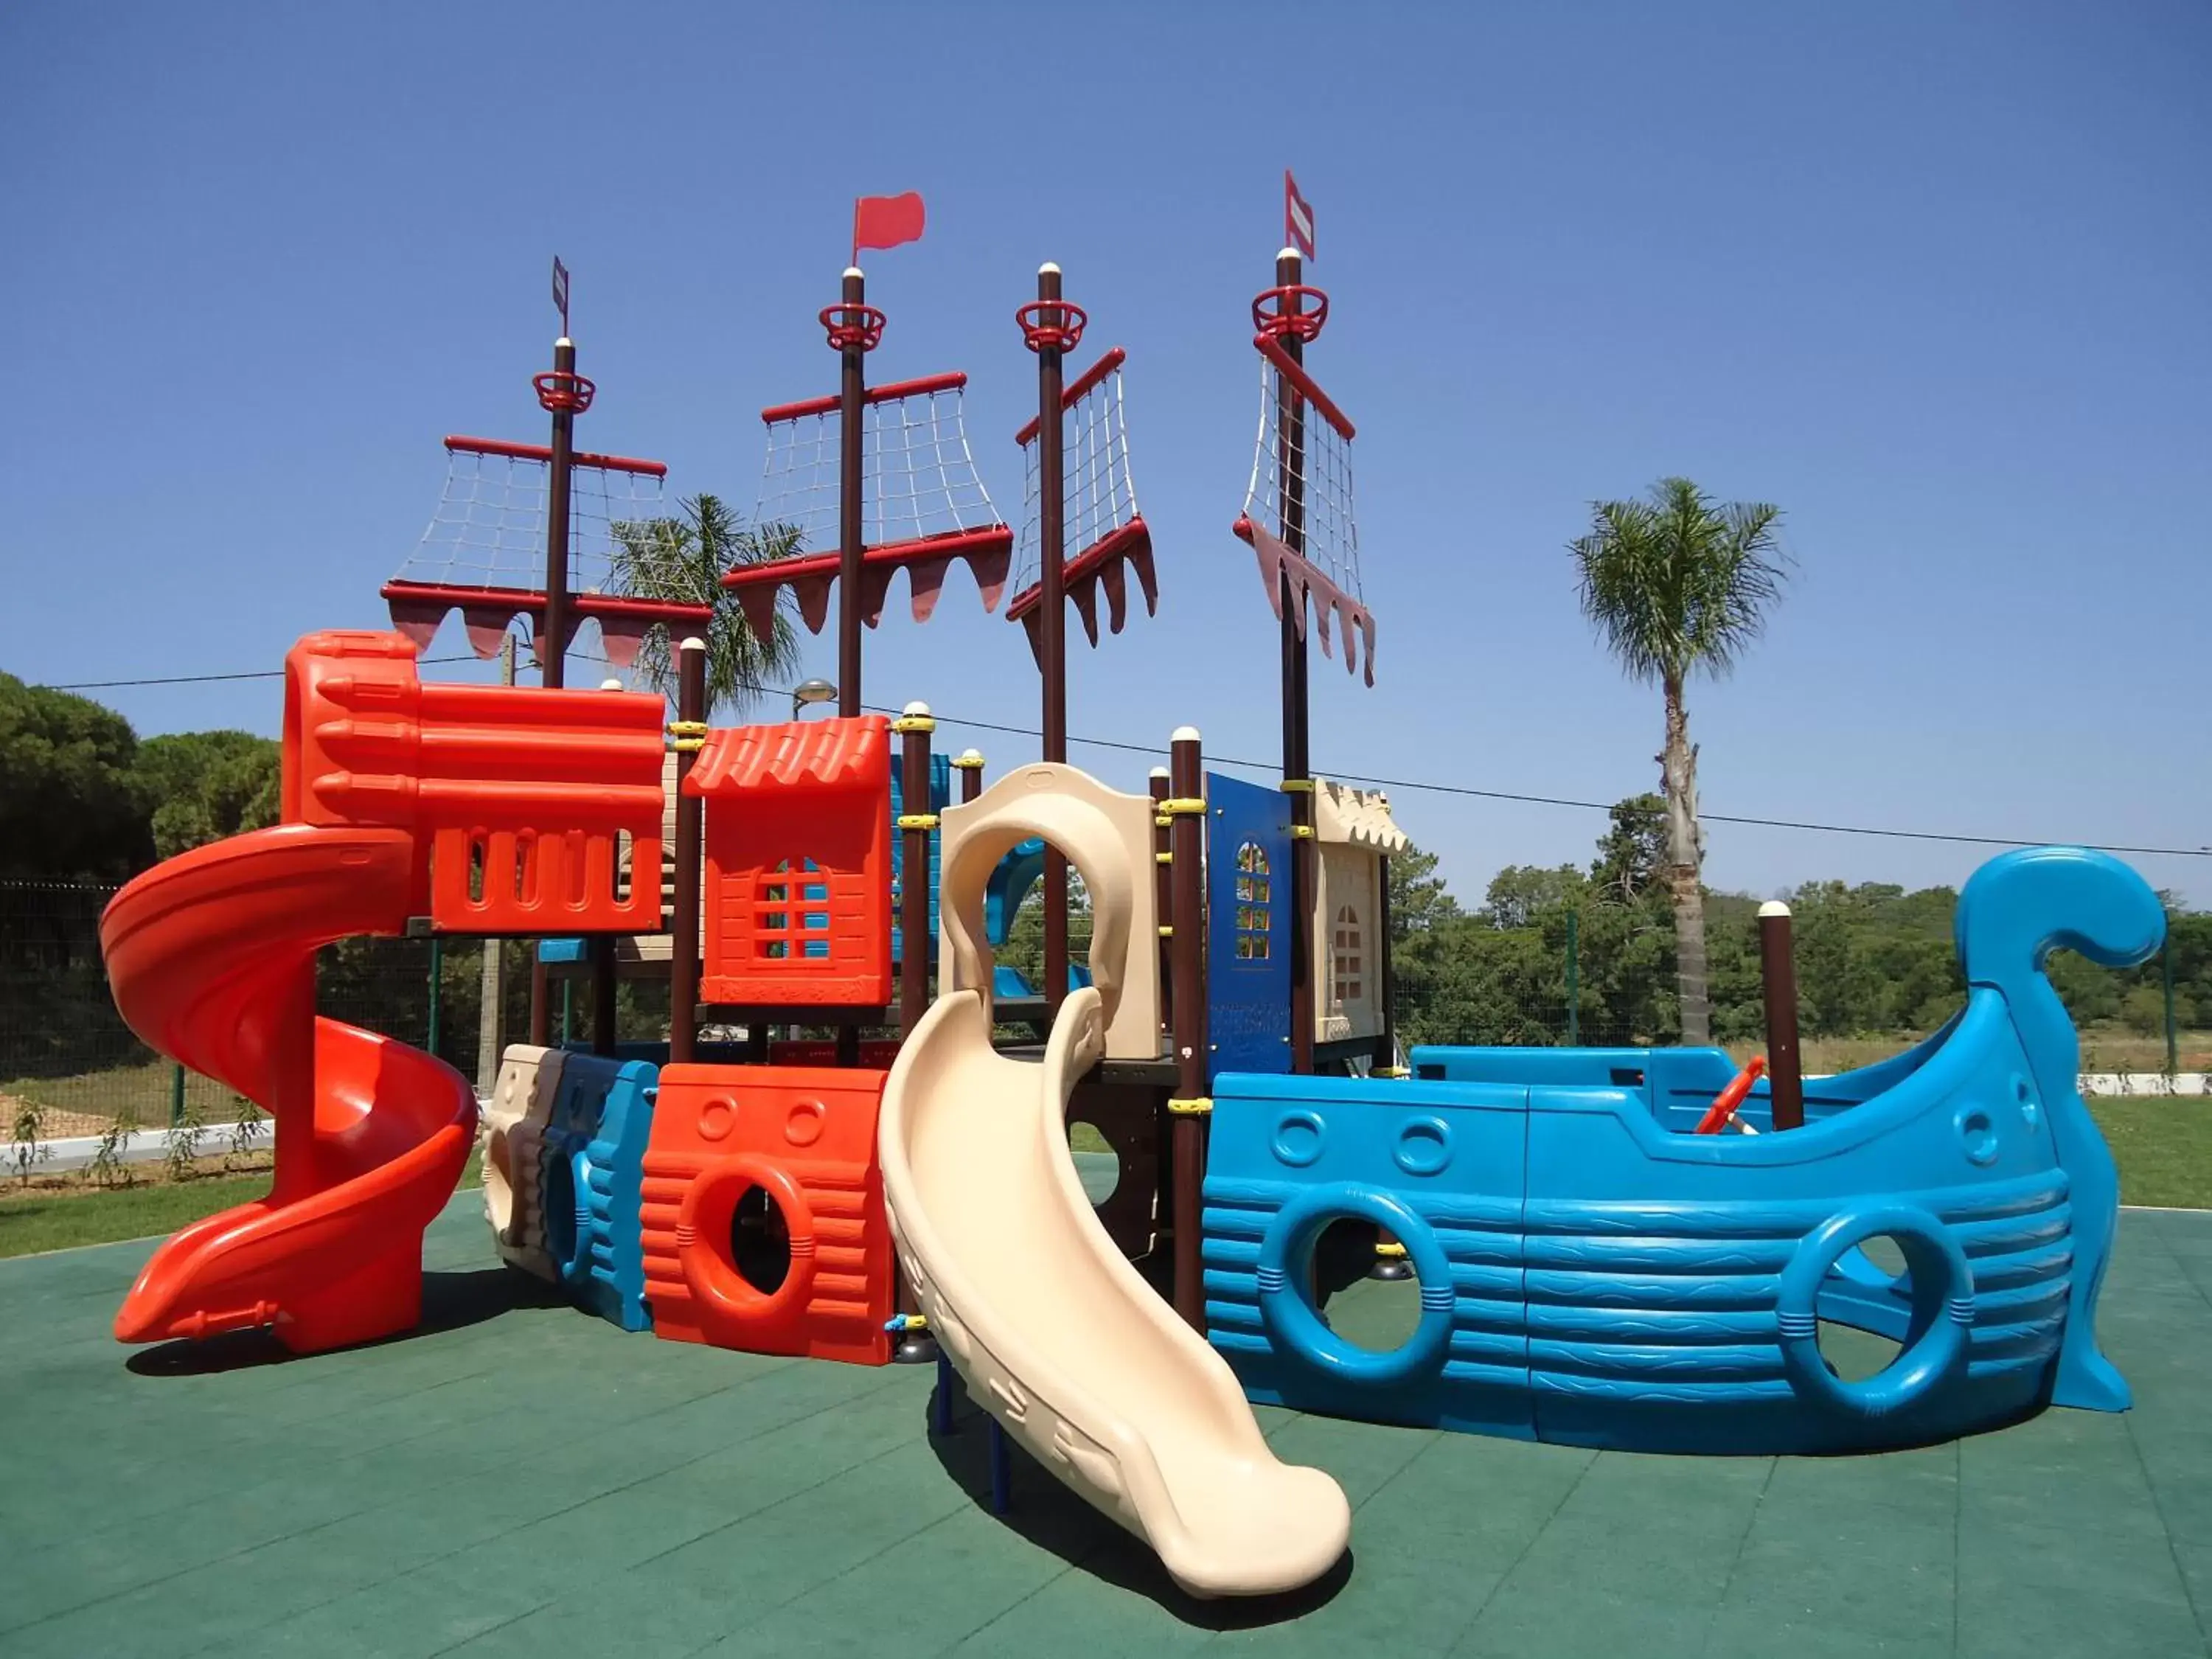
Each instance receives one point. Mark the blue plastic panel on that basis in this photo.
(1440, 1165)
(1247, 869)
(592, 1174)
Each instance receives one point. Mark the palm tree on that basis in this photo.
(1674, 585)
(683, 558)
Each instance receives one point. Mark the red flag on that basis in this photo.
(885, 220)
(1298, 217)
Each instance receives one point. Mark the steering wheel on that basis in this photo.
(1723, 1111)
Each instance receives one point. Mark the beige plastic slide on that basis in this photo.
(1055, 1334)
(514, 1123)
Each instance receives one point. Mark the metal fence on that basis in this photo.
(66, 1052)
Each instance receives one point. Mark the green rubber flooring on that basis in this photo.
(519, 1478)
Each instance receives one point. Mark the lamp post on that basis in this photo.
(812, 691)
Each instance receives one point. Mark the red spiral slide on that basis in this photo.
(211, 958)
(490, 809)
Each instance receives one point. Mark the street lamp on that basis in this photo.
(811, 691)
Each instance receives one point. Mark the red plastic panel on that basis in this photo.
(519, 797)
(806, 1137)
(793, 810)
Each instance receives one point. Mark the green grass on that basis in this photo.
(42, 1217)
(2163, 1147)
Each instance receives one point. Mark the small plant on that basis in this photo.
(27, 1144)
(246, 1131)
(109, 1168)
(180, 1147)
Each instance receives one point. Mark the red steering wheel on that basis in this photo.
(1724, 1103)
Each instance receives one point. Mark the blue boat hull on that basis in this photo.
(1593, 1274)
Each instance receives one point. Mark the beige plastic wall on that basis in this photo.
(1354, 831)
(515, 1133)
(1062, 804)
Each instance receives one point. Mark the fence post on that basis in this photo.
(176, 1094)
(1574, 979)
(2166, 973)
(437, 988)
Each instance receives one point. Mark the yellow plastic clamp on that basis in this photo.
(687, 736)
(968, 763)
(1199, 1106)
(1167, 929)
(916, 820)
(1164, 858)
(1390, 1252)
(1302, 832)
(1389, 1071)
(914, 723)
(1296, 786)
(907, 1323)
(1180, 805)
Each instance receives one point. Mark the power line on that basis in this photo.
(1415, 784)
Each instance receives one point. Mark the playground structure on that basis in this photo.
(1592, 1268)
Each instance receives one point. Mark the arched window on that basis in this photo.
(1255, 904)
(1345, 957)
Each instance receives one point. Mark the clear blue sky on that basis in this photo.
(1931, 278)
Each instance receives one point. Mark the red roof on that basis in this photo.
(823, 756)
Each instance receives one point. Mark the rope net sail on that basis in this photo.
(1298, 514)
(1106, 535)
(922, 504)
(483, 553)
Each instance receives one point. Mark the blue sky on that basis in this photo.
(1932, 278)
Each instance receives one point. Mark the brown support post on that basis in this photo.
(1189, 1108)
(541, 1001)
(914, 726)
(969, 763)
(915, 1344)
(1778, 974)
(687, 733)
(1385, 1063)
(1045, 338)
(1163, 894)
(1298, 771)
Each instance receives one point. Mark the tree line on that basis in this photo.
(1873, 959)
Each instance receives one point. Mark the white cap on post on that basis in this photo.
(854, 270)
(1772, 907)
(1184, 734)
(917, 710)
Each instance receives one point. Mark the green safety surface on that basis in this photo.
(519, 1479)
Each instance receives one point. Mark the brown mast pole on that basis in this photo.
(1298, 772)
(1777, 974)
(687, 733)
(852, 402)
(1385, 1062)
(554, 395)
(1189, 1107)
(1052, 632)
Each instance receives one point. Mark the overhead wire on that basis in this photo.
(1419, 784)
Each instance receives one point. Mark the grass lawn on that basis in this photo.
(2163, 1147)
(56, 1212)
